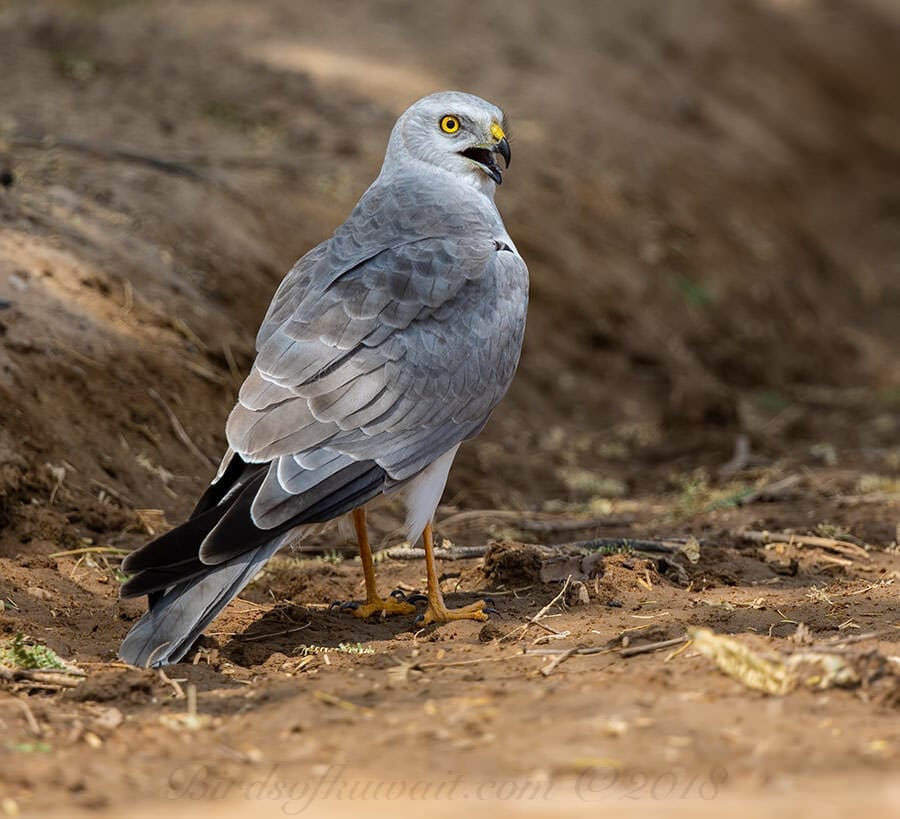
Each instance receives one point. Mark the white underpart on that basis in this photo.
(423, 493)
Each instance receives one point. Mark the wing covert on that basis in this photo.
(395, 361)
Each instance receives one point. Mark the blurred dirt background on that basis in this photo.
(708, 198)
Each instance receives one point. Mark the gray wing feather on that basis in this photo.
(295, 474)
(426, 386)
(382, 346)
(257, 393)
(285, 428)
(277, 500)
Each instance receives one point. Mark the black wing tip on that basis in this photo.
(222, 532)
(236, 470)
(156, 580)
(237, 532)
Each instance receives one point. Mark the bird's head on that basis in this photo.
(457, 132)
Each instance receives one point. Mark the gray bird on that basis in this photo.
(384, 348)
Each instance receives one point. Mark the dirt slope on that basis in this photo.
(706, 195)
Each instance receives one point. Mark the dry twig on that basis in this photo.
(179, 429)
(560, 655)
(87, 550)
(553, 602)
(122, 498)
(838, 645)
(59, 677)
(176, 684)
(456, 553)
(519, 631)
(771, 491)
(250, 637)
(842, 547)
(739, 460)
(646, 648)
(557, 661)
(34, 726)
(666, 547)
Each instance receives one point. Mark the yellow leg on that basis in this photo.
(374, 603)
(365, 552)
(437, 611)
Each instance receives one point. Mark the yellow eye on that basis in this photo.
(449, 124)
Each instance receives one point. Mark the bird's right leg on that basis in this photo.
(437, 611)
(374, 604)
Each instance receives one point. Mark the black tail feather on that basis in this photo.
(174, 556)
(176, 545)
(238, 471)
(157, 579)
(334, 496)
(223, 525)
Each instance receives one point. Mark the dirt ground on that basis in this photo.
(706, 196)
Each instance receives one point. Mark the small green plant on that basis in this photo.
(731, 498)
(623, 548)
(30, 747)
(693, 491)
(225, 113)
(340, 648)
(695, 495)
(19, 652)
(355, 648)
(771, 400)
(695, 293)
(833, 531)
(75, 65)
(824, 452)
(584, 481)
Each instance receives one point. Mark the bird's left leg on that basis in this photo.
(374, 604)
(437, 611)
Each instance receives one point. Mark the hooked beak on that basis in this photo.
(485, 157)
(503, 149)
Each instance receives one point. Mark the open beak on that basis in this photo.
(486, 158)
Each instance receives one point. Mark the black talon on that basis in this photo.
(417, 598)
(419, 619)
(398, 594)
(492, 611)
(343, 605)
(488, 601)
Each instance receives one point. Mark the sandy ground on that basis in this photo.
(707, 200)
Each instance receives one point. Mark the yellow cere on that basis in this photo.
(497, 132)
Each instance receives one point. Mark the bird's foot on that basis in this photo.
(396, 603)
(437, 612)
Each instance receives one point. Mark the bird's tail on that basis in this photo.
(193, 571)
(178, 617)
